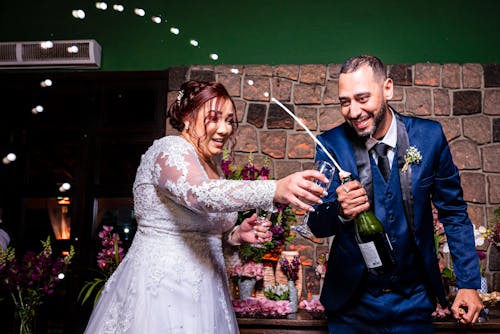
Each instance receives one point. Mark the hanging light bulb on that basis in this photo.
(72, 49)
(139, 11)
(78, 14)
(175, 30)
(65, 187)
(214, 56)
(156, 19)
(118, 8)
(101, 5)
(37, 109)
(46, 83)
(11, 157)
(47, 45)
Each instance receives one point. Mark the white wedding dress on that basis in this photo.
(173, 278)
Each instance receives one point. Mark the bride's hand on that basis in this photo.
(252, 231)
(299, 189)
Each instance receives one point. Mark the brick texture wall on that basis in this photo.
(465, 99)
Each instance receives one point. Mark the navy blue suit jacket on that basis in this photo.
(435, 178)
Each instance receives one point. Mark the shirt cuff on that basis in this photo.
(344, 220)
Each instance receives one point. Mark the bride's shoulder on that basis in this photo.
(170, 143)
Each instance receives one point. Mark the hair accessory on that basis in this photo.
(186, 126)
(179, 96)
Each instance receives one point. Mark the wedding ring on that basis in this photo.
(346, 189)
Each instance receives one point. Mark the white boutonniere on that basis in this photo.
(412, 156)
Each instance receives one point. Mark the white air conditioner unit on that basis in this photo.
(58, 54)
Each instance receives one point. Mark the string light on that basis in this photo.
(139, 11)
(72, 49)
(47, 45)
(235, 71)
(78, 14)
(11, 157)
(101, 5)
(118, 8)
(46, 83)
(37, 109)
(250, 82)
(65, 187)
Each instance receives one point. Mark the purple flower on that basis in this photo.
(290, 268)
(111, 254)
(281, 219)
(35, 276)
(226, 167)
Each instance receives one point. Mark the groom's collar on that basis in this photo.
(390, 138)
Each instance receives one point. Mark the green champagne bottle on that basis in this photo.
(373, 241)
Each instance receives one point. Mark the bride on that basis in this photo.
(173, 278)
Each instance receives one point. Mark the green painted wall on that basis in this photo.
(266, 31)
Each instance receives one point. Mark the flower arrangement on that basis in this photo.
(412, 156)
(313, 305)
(281, 220)
(492, 234)
(249, 269)
(277, 292)
(290, 268)
(108, 259)
(261, 307)
(441, 245)
(30, 278)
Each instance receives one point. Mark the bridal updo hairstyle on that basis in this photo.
(192, 96)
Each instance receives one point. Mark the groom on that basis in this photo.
(401, 301)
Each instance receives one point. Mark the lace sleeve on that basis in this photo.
(180, 176)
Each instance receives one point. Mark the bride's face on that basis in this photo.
(213, 126)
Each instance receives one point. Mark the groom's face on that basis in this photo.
(363, 101)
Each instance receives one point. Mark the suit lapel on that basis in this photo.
(405, 178)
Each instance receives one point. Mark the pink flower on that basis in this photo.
(249, 269)
(313, 305)
(261, 306)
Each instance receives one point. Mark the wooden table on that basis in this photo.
(303, 322)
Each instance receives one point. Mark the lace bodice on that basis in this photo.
(172, 191)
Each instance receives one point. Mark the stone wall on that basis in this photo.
(465, 99)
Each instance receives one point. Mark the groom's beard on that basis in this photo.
(384, 109)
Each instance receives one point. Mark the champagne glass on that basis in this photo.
(328, 170)
(262, 217)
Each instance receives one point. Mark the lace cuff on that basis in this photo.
(230, 237)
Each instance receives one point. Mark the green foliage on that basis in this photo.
(95, 286)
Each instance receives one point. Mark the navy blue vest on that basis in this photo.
(389, 208)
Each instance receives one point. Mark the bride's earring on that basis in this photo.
(186, 126)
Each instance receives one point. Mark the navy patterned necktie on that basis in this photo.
(383, 162)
